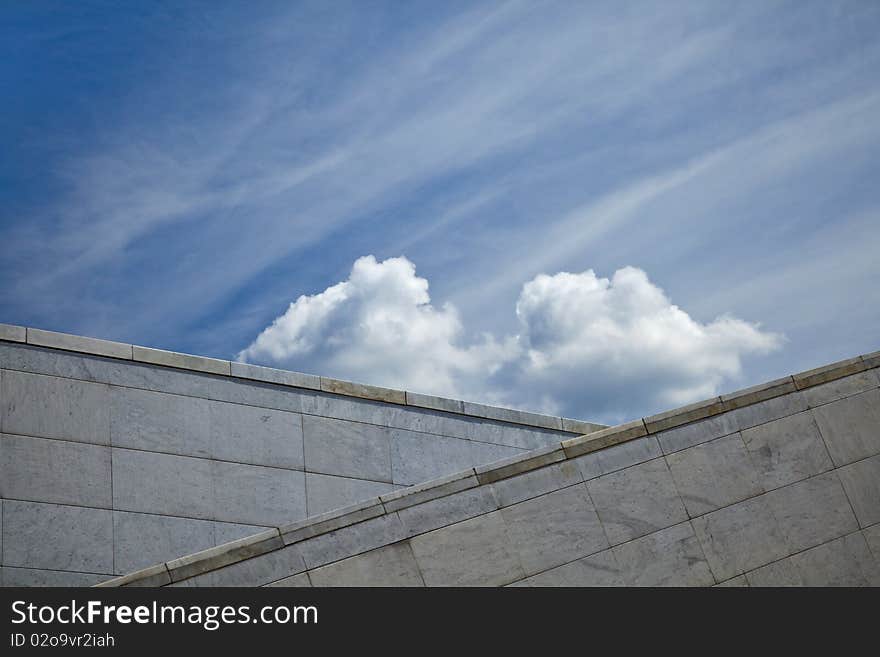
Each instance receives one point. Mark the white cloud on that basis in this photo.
(587, 346)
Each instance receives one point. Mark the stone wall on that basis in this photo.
(775, 485)
(108, 464)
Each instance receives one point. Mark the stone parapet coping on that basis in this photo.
(389, 503)
(135, 353)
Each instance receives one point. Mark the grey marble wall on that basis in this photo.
(780, 492)
(107, 466)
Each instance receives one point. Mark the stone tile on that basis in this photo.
(363, 390)
(32, 577)
(739, 581)
(57, 537)
(599, 569)
(331, 520)
(55, 471)
(486, 453)
(513, 416)
(758, 393)
(166, 484)
(538, 482)
(271, 375)
(554, 529)
(254, 435)
(392, 565)
(257, 495)
(436, 403)
(787, 450)
(845, 561)
(12, 333)
(683, 415)
(766, 411)
(429, 490)
(872, 536)
(326, 492)
(263, 569)
(224, 532)
(637, 501)
(416, 457)
(294, 581)
(182, 361)
(79, 343)
(50, 407)
(448, 510)
(604, 438)
(851, 427)
(581, 427)
(846, 387)
(519, 463)
(618, 457)
(151, 576)
(347, 449)
(476, 552)
(740, 538)
(156, 422)
(714, 474)
(812, 511)
(352, 540)
(829, 372)
(670, 557)
(696, 433)
(861, 481)
(205, 561)
(141, 540)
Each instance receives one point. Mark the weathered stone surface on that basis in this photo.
(845, 561)
(758, 393)
(448, 510)
(604, 438)
(50, 407)
(156, 422)
(840, 388)
(513, 416)
(142, 540)
(618, 457)
(351, 540)
(79, 343)
(739, 581)
(851, 426)
(670, 557)
(182, 361)
(331, 520)
(220, 556)
(392, 565)
(326, 492)
(166, 484)
(766, 411)
(363, 390)
(637, 501)
(554, 529)
(49, 578)
(696, 433)
(271, 375)
(151, 576)
(429, 490)
(54, 471)
(812, 511)
(476, 552)
(599, 569)
(496, 470)
(12, 333)
(268, 567)
(538, 482)
(436, 403)
(257, 495)
(683, 415)
(861, 481)
(787, 450)
(872, 536)
(580, 427)
(714, 474)
(347, 449)
(57, 537)
(830, 372)
(740, 538)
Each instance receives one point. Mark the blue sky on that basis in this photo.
(178, 174)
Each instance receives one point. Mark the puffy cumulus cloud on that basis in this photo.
(598, 348)
(620, 348)
(379, 327)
